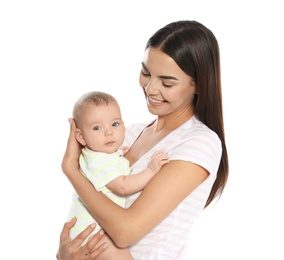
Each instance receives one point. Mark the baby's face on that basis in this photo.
(102, 127)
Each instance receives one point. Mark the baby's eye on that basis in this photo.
(115, 124)
(96, 128)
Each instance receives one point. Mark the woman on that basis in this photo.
(180, 78)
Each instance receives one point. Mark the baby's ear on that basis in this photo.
(79, 137)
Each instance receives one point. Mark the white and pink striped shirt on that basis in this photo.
(195, 142)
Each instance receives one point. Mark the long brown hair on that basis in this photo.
(196, 51)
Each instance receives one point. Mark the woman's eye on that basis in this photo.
(167, 85)
(145, 73)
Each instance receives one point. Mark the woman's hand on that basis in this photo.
(72, 250)
(70, 160)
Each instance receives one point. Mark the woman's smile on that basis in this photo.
(154, 101)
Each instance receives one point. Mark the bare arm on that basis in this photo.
(126, 226)
(130, 184)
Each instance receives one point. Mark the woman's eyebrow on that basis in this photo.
(143, 65)
(168, 77)
(161, 77)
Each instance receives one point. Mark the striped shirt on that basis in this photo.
(194, 142)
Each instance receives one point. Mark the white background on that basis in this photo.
(51, 52)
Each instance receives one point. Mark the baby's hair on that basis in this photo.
(97, 98)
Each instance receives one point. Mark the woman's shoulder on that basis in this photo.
(197, 143)
(194, 128)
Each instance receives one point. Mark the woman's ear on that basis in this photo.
(79, 137)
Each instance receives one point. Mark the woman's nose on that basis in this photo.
(151, 87)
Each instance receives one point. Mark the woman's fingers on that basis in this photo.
(73, 150)
(73, 250)
(64, 236)
(78, 241)
(91, 246)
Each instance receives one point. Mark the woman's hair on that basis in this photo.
(96, 98)
(195, 50)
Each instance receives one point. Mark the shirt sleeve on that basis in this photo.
(100, 171)
(201, 147)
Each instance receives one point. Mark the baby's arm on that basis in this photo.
(127, 185)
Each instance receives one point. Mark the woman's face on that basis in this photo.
(168, 90)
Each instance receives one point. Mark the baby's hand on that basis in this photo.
(124, 149)
(158, 159)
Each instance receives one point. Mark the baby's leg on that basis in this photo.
(113, 252)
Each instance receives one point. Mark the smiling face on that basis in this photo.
(100, 128)
(168, 90)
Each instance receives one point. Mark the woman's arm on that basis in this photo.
(161, 196)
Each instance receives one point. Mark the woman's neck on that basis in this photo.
(171, 122)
